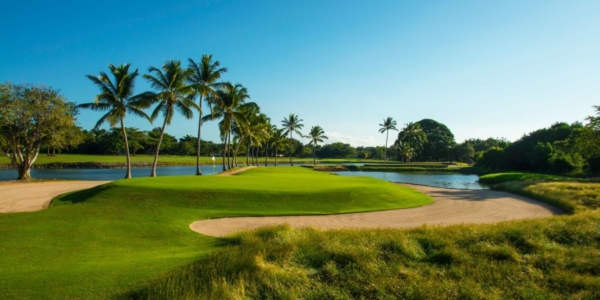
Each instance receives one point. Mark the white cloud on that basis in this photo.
(354, 141)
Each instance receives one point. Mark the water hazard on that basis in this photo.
(445, 180)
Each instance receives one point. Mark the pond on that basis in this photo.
(109, 174)
(444, 180)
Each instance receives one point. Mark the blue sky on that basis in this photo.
(483, 68)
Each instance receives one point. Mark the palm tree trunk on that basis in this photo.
(237, 148)
(385, 149)
(229, 152)
(162, 132)
(291, 163)
(229, 162)
(224, 153)
(257, 151)
(198, 171)
(248, 153)
(276, 155)
(315, 155)
(266, 154)
(128, 171)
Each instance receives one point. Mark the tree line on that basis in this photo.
(175, 91)
(34, 118)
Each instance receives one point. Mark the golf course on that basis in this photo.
(131, 239)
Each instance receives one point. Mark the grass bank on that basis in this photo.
(115, 238)
(552, 258)
(495, 178)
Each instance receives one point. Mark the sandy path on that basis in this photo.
(32, 196)
(450, 207)
(242, 169)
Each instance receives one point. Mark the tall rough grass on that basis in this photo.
(570, 196)
(553, 258)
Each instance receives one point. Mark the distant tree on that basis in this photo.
(204, 79)
(464, 152)
(493, 159)
(412, 137)
(338, 150)
(292, 124)
(480, 145)
(316, 136)
(174, 94)
(387, 125)
(440, 141)
(405, 151)
(523, 154)
(137, 139)
(28, 114)
(187, 145)
(65, 138)
(279, 141)
(118, 99)
(168, 144)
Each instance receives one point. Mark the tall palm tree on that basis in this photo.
(174, 94)
(230, 107)
(292, 124)
(117, 98)
(387, 125)
(413, 136)
(203, 78)
(316, 135)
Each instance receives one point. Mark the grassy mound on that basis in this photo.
(114, 238)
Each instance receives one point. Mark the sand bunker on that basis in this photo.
(450, 207)
(32, 196)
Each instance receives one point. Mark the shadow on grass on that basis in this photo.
(81, 196)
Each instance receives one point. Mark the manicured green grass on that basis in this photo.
(118, 237)
(551, 258)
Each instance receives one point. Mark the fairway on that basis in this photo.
(104, 241)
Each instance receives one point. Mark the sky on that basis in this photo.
(485, 69)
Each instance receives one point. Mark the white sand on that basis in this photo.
(33, 196)
(450, 207)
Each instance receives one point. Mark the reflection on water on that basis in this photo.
(444, 180)
(114, 174)
(455, 181)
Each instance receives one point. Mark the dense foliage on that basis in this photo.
(562, 148)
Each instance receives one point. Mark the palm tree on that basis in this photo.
(388, 124)
(204, 78)
(317, 135)
(117, 97)
(279, 140)
(174, 94)
(292, 124)
(413, 136)
(230, 107)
